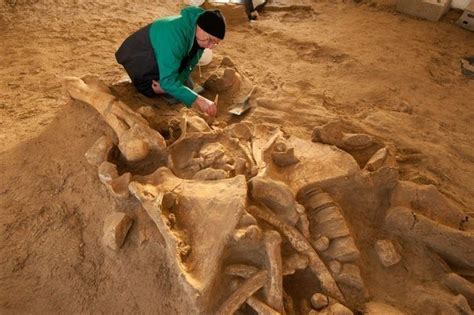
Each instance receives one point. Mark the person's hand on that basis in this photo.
(206, 106)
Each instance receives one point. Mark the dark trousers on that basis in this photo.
(137, 57)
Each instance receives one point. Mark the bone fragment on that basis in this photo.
(116, 227)
(318, 301)
(277, 196)
(249, 234)
(356, 140)
(387, 253)
(260, 307)
(210, 174)
(303, 246)
(100, 150)
(294, 262)
(282, 155)
(274, 288)
(246, 290)
(453, 245)
(241, 270)
(377, 160)
(303, 225)
(321, 244)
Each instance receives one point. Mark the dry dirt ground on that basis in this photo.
(395, 77)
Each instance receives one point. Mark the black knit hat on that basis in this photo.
(212, 22)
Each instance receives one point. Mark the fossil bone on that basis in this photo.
(301, 245)
(247, 289)
(274, 288)
(205, 218)
(453, 245)
(136, 138)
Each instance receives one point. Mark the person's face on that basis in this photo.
(206, 40)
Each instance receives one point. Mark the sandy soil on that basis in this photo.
(395, 77)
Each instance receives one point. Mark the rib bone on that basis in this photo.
(303, 246)
(246, 290)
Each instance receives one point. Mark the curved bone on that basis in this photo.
(246, 290)
(260, 307)
(274, 288)
(136, 138)
(454, 245)
(302, 245)
(275, 195)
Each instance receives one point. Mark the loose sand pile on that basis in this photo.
(395, 78)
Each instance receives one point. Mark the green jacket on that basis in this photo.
(172, 38)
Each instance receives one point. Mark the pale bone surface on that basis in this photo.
(265, 206)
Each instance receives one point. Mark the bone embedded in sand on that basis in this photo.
(459, 285)
(136, 138)
(260, 307)
(356, 140)
(303, 246)
(99, 151)
(117, 185)
(319, 301)
(274, 288)
(116, 227)
(210, 174)
(377, 160)
(387, 253)
(251, 234)
(275, 195)
(451, 244)
(335, 267)
(247, 289)
(294, 262)
(205, 217)
(283, 154)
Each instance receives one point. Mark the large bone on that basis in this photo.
(303, 246)
(275, 195)
(453, 245)
(246, 290)
(197, 220)
(136, 138)
(274, 288)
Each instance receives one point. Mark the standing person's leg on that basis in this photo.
(137, 57)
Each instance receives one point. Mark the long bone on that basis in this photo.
(303, 246)
(136, 138)
(454, 245)
(246, 290)
(274, 288)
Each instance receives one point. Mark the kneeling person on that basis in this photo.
(160, 57)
